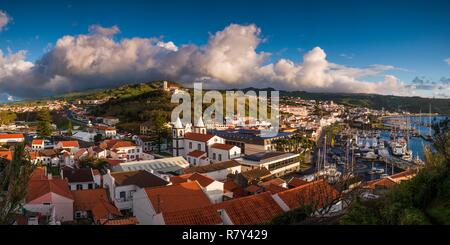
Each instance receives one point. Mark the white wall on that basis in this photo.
(143, 209)
(214, 191)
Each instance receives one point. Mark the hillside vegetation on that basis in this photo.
(376, 101)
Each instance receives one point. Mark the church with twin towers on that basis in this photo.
(198, 147)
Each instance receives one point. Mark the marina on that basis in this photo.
(374, 154)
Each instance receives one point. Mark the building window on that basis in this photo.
(214, 156)
(79, 187)
(195, 161)
(199, 147)
(77, 215)
(122, 195)
(220, 157)
(190, 145)
(89, 186)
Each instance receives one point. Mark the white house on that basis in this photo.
(197, 158)
(123, 185)
(79, 178)
(223, 152)
(37, 144)
(70, 145)
(106, 131)
(121, 149)
(11, 138)
(50, 197)
(212, 188)
(151, 204)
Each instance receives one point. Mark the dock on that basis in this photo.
(397, 162)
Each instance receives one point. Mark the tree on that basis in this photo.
(98, 137)
(14, 182)
(69, 128)
(6, 117)
(159, 119)
(44, 128)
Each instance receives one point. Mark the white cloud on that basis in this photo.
(4, 19)
(228, 60)
(104, 31)
(447, 61)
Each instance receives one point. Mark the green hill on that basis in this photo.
(376, 101)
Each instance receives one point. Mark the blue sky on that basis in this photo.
(413, 36)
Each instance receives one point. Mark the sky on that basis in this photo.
(386, 47)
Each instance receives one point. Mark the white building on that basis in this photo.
(278, 163)
(219, 152)
(121, 149)
(79, 178)
(199, 147)
(151, 206)
(70, 145)
(84, 136)
(37, 145)
(163, 165)
(11, 138)
(123, 185)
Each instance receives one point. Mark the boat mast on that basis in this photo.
(430, 121)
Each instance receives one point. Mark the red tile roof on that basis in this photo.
(104, 128)
(172, 198)
(11, 136)
(6, 155)
(198, 137)
(122, 221)
(272, 188)
(196, 153)
(222, 146)
(197, 216)
(69, 143)
(38, 188)
(203, 180)
(230, 186)
(384, 183)
(38, 174)
(251, 210)
(253, 189)
(275, 181)
(316, 194)
(114, 144)
(407, 174)
(296, 182)
(37, 142)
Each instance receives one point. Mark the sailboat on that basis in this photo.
(375, 170)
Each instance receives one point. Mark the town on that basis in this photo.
(87, 169)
